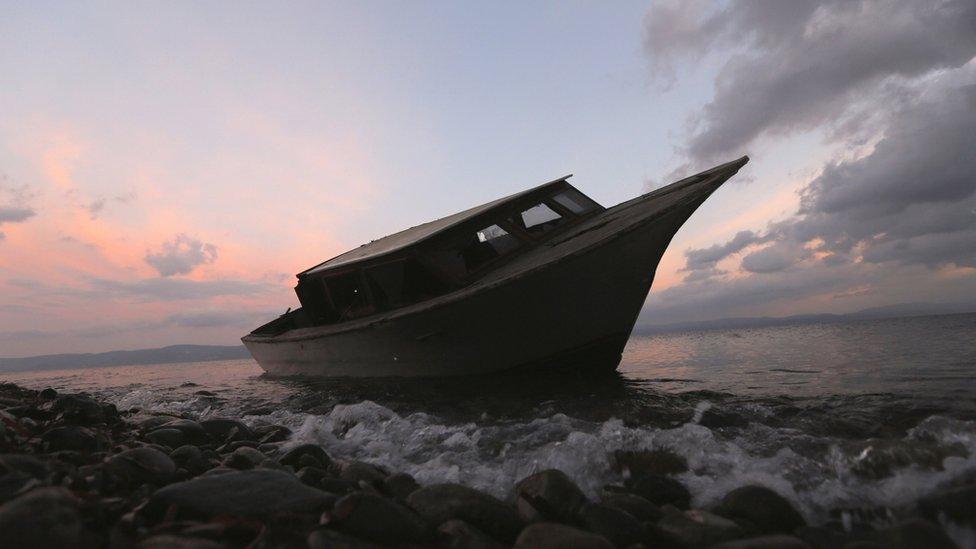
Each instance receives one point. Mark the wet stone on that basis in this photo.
(761, 508)
(254, 493)
(15, 483)
(765, 542)
(336, 486)
(457, 534)
(914, 533)
(330, 539)
(45, 517)
(192, 431)
(360, 471)
(551, 535)
(172, 438)
(312, 476)
(190, 458)
(662, 490)
(73, 438)
(83, 409)
(377, 518)
(48, 394)
(399, 485)
(244, 458)
(696, 528)
(224, 429)
(548, 495)
(821, 537)
(24, 463)
(143, 465)
(639, 463)
(272, 433)
(439, 503)
(618, 526)
(318, 456)
(637, 506)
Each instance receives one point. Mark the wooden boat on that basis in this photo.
(546, 278)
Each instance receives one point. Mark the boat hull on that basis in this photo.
(576, 312)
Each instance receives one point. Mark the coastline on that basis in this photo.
(76, 471)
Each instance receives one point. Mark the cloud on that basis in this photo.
(95, 207)
(181, 256)
(13, 214)
(899, 214)
(706, 258)
(796, 66)
(172, 289)
(217, 318)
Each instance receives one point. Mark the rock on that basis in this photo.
(914, 533)
(620, 527)
(24, 463)
(319, 456)
(399, 485)
(71, 437)
(360, 471)
(649, 462)
(225, 430)
(696, 528)
(190, 458)
(330, 539)
(762, 508)
(457, 534)
(272, 433)
(244, 458)
(48, 394)
(45, 517)
(193, 432)
(143, 465)
(662, 490)
(312, 476)
(235, 444)
(640, 508)
(377, 518)
(764, 542)
(254, 493)
(715, 418)
(15, 483)
(171, 438)
(336, 486)
(439, 503)
(548, 495)
(83, 409)
(957, 504)
(551, 535)
(177, 542)
(821, 537)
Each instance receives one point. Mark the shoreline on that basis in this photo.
(75, 471)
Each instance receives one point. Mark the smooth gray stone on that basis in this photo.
(254, 493)
(457, 534)
(377, 518)
(439, 503)
(143, 465)
(777, 541)
(767, 511)
(548, 495)
(45, 517)
(552, 535)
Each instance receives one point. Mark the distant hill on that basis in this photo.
(889, 311)
(163, 355)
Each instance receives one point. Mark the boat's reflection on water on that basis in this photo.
(497, 397)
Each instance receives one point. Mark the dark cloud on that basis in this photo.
(181, 256)
(706, 258)
(799, 65)
(772, 259)
(15, 214)
(95, 207)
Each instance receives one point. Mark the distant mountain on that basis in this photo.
(888, 311)
(164, 355)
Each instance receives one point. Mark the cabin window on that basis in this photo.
(349, 295)
(468, 254)
(575, 201)
(311, 293)
(538, 219)
(401, 283)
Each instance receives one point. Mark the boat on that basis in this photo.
(543, 279)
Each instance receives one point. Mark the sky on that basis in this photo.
(166, 168)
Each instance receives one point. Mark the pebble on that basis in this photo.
(618, 526)
(45, 517)
(399, 485)
(457, 534)
(548, 495)
(439, 503)
(226, 430)
(172, 438)
(696, 528)
(143, 465)
(761, 508)
(662, 490)
(71, 437)
(319, 457)
(637, 506)
(360, 471)
(552, 535)
(254, 493)
(377, 518)
(244, 457)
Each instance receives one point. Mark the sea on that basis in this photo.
(850, 420)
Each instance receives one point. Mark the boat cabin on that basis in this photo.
(435, 258)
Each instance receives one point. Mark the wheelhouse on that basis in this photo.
(433, 259)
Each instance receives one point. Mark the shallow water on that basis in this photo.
(838, 417)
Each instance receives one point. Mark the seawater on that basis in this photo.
(848, 419)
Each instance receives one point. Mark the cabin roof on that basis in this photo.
(407, 237)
